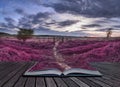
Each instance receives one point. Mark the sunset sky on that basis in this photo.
(61, 17)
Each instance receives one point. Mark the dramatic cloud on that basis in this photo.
(91, 25)
(31, 20)
(5, 30)
(8, 28)
(92, 8)
(9, 20)
(40, 17)
(117, 26)
(20, 11)
(3, 25)
(67, 23)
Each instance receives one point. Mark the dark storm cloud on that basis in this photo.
(117, 26)
(6, 27)
(20, 11)
(67, 23)
(92, 8)
(61, 8)
(91, 25)
(9, 20)
(30, 20)
(10, 23)
(52, 23)
(25, 22)
(3, 25)
(5, 30)
(40, 17)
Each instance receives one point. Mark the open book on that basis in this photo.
(39, 70)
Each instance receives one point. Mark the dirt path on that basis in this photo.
(59, 59)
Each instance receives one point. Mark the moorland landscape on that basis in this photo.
(54, 52)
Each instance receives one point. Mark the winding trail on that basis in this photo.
(59, 59)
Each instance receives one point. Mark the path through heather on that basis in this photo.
(59, 59)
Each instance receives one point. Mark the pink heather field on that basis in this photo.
(50, 54)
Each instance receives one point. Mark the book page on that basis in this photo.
(79, 71)
(47, 72)
(44, 69)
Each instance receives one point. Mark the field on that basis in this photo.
(71, 53)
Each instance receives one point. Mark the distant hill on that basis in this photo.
(54, 36)
(4, 34)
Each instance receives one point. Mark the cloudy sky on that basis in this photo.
(61, 17)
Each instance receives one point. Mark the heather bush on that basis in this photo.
(14, 50)
(78, 53)
(106, 52)
(46, 65)
(81, 49)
